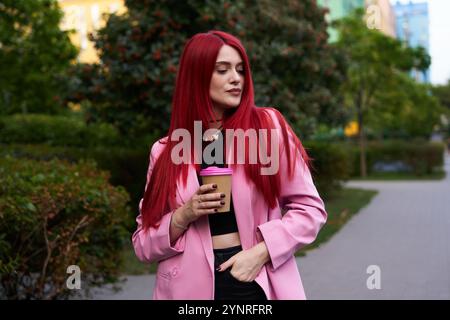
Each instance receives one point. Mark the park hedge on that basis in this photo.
(332, 163)
(127, 167)
(56, 131)
(330, 166)
(54, 214)
(421, 157)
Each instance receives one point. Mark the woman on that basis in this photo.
(247, 253)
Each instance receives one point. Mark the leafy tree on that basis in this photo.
(442, 92)
(34, 53)
(405, 110)
(294, 67)
(376, 62)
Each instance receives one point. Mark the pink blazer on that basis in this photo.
(186, 269)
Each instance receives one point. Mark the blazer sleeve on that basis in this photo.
(154, 244)
(305, 212)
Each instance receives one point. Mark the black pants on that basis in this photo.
(228, 287)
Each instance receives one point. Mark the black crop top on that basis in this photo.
(220, 222)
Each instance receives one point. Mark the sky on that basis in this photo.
(439, 28)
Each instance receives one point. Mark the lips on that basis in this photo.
(234, 91)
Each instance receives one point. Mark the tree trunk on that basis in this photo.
(361, 136)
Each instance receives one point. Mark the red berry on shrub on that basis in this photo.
(157, 55)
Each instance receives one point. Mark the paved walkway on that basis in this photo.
(404, 231)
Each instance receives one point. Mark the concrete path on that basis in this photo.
(130, 288)
(403, 233)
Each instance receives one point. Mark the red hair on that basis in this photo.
(192, 102)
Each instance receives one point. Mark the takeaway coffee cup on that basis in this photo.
(221, 177)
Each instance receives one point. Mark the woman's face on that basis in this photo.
(228, 74)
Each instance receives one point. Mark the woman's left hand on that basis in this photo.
(245, 265)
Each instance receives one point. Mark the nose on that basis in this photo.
(235, 76)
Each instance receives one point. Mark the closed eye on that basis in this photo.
(224, 71)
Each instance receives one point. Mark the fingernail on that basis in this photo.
(215, 210)
(222, 202)
(214, 186)
(218, 269)
(222, 195)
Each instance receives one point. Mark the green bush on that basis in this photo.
(421, 156)
(52, 215)
(331, 166)
(55, 131)
(127, 166)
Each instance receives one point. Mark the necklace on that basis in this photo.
(214, 136)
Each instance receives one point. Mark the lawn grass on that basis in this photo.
(340, 208)
(392, 176)
(131, 265)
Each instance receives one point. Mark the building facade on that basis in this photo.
(413, 28)
(84, 17)
(387, 16)
(380, 9)
(379, 15)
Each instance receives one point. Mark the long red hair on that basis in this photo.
(191, 102)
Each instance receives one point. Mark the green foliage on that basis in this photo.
(34, 53)
(373, 54)
(375, 74)
(442, 92)
(375, 59)
(293, 66)
(329, 134)
(405, 110)
(54, 215)
(56, 131)
(127, 166)
(331, 166)
(423, 157)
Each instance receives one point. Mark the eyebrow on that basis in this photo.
(228, 63)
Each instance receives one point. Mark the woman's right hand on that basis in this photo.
(203, 202)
